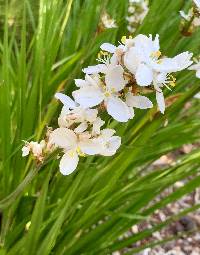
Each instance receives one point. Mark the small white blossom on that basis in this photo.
(74, 145)
(143, 60)
(108, 143)
(108, 92)
(35, 148)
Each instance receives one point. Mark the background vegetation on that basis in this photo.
(44, 44)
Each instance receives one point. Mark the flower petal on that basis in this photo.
(108, 47)
(97, 124)
(111, 146)
(69, 162)
(131, 111)
(94, 69)
(88, 96)
(161, 101)
(89, 147)
(67, 101)
(107, 133)
(114, 78)
(118, 109)
(197, 2)
(63, 138)
(62, 120)
(80, 83)
(81, 127)
(140, 102)
(25, 151)
(197, 96)
(132, 59)
(178, 63)
(91, 114)
(198, 74)
(147, 43)
(144, 75)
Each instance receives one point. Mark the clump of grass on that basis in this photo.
(43, 212)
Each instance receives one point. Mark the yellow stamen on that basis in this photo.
(107, 94)
(71, 154)
(172, 82)
(80, 153)
(156, 54)
(102, 53)
(159, 61)
(123, 39)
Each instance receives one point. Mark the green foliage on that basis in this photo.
(42, 50)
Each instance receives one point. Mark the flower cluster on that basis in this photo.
(113, 86)
(137, 11)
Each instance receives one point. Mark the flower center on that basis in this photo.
(155, 54)
(80, 153)
(107, 94)
(172, 82)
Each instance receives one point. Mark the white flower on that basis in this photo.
(196, 67)
(108, 92)
(74, 145)
(143, 61)
(108, 143)
(34, 147)
(78, 114)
